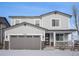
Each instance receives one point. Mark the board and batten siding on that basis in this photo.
(24, 30)
(46, 21)
(63, 21)
(28, 20)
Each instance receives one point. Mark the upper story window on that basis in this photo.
(17, 21)
(55, 22)
(37, 22)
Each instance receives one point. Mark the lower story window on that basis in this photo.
(59, 37)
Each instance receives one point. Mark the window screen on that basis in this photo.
(55, 22)
(37, 23)
(59, 37)
(17, 21)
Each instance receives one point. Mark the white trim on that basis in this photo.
(15, 21)
(61, 41)
(9, 42)
(69, 23)
(41, 23)
(40, 42)
(54, 35)
(59, 23)
(33, 34)
(64, 40)
(50, 39)
(35, 21)
(8, 38)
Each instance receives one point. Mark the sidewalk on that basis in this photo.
(38, 53)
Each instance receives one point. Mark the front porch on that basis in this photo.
(57, 39)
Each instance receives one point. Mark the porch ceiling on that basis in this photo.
(62, 31)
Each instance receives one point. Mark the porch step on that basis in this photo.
(49, 48)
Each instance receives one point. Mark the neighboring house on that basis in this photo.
(37, 32)
(3, 24)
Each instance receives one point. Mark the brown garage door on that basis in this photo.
(31, 42)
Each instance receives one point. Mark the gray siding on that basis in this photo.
(24, 30)
(63, 20)
(46, 21)
(29, 20)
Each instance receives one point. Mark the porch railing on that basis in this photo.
(61, 45)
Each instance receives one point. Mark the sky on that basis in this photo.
(35, 8)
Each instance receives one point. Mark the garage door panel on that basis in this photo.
(15, 43)
(36, 43)
(25, 42)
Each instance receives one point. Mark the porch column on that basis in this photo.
(50, 39)
(54, 36)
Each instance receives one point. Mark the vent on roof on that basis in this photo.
(24, 24)
(55, 12)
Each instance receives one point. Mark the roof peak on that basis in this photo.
(56, 11)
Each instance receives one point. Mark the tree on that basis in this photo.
(76, 18)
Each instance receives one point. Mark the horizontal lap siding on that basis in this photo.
(24, 30)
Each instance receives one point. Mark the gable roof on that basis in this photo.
(4, 21)
(25, 23)
(41, 15)
(24, 17)
(55, 13)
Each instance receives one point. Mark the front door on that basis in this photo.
(47, 39)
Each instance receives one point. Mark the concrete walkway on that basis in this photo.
(38, 53)
(49, 48)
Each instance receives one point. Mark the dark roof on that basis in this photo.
(25, 23)
(63, 30)
(4, 21)
(41, 15)
(55, 13)
(24, 17)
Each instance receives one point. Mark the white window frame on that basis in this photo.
(36, 20)
(59, 23)
(19, 21)
(59, 34)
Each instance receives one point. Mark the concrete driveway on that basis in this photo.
(38, 53)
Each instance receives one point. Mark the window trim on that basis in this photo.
(36, 36)
(59, 37)
(55, 23)
(29, 36)
(18, 20)
(35, 22)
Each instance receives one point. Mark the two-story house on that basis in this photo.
(3, 24)
(36, 32)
